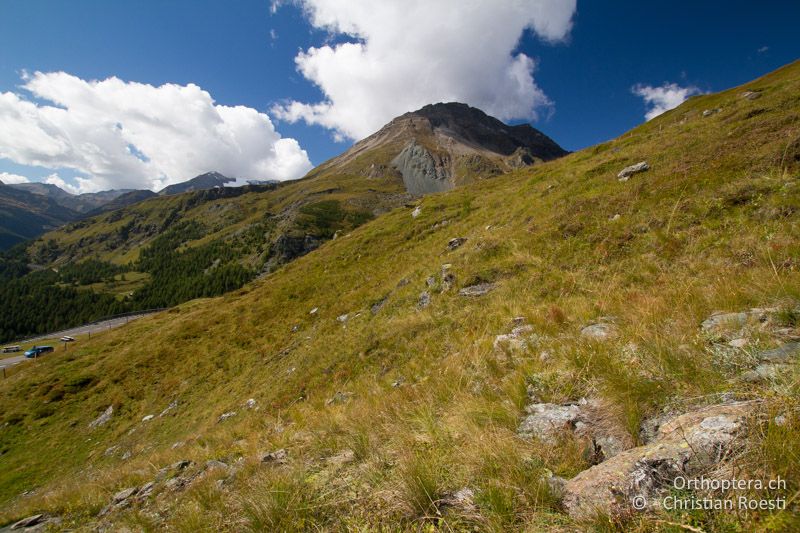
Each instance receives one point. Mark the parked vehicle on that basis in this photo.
(11, 349)
(36, 351)
(67, 338)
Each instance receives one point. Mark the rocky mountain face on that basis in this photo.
(442, 146)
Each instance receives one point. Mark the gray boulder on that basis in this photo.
(277, 457)
(103, 418)
(476, 290)
(781, 354)
(548, 421)
(124, 494)
(687, 446)
(600, 331)
(456, 242)
(29, 522)
(424, 300)
(626, 173)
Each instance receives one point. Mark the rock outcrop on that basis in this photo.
(686, 446)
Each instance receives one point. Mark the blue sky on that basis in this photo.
(243, 53)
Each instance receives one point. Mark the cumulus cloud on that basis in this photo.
(8, 179)
(132, 135)
(403, 54)
(661, 99)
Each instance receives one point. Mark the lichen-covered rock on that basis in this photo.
(548, 421)
(686, 446)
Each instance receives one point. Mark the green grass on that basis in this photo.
(713, 226)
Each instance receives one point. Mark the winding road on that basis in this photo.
(86, 329)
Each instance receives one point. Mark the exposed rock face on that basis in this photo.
(685, 446)
(422, 171)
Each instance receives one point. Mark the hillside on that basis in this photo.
(398, 376)
(24, 215)
(201, 238)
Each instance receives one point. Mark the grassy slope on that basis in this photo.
(99, 236)
(712, 226)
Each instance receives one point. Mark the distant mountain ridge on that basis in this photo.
(80, 203)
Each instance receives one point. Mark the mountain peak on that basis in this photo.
(444, 145)
(209, 180)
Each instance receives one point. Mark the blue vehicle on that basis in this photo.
(36, 351)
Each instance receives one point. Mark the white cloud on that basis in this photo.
(661, 99)
(133, 135)
(55, 179)
(408, 53)
(8, 179)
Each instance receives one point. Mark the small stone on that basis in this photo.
(343, 457)
(781, 420)
(276, 457)
(615, 217)
(225, 416)
(124, 494)
(28, 522)
(627, 172)
(722, 320)
(751, 95)
(430, 282)
(146, 490)
(251, 403)
(546, 421)
(456, 242)
(110, 450)
(477, 290)
(338, 398)
(148, 418)
(462, 499)
(416, 212)
(127, 455)
(215, 464)
(343, 318)
(377, 306)
(764, 372)
(424, 299)
(738, 343)
(173, 405)
(709, 112)
(313, 311)
(103, 418)
(600, 331)
(181, 465)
